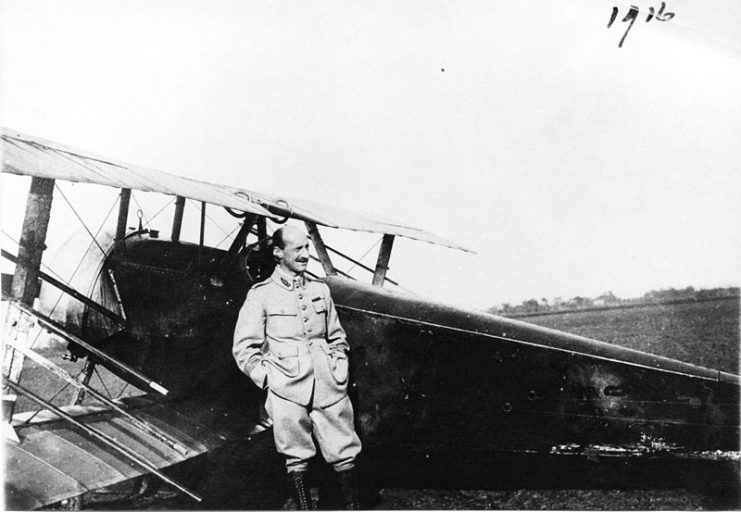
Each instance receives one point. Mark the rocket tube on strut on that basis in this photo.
(50, 324)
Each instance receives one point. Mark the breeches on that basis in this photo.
(332, 426)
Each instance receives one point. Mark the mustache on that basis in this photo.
(302, 260)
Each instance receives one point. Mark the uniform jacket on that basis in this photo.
(288, 338)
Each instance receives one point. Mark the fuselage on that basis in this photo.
(425, 375)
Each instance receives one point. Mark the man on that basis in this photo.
(289, 340)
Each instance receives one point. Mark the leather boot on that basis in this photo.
(299, 487)
(348, 487)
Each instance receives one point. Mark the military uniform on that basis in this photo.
(289, 340)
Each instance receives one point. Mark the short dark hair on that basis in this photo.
(278, 239)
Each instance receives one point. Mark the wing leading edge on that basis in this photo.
(31, 156)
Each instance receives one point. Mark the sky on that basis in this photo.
(521, 130)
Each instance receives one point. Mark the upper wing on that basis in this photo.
(346, 219)
(32, 156)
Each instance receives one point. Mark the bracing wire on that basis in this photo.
(80, 218)
(79, 264)
(400, 287)
(168, 203)
(227, 237)
(28, 420)
(209, 218)
(122, 391)
(364, 254)
(46, 267)
(95, 369)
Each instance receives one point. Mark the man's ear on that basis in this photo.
(277, 252)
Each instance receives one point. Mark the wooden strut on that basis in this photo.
(262, 228)
(55, 327)
(33, 239)
(203, 231)
(123, 214)
(203, 223)
(321, 250)
(105, 439)
(25, 286)
(177, 221)
(81, 384)
(384, 255)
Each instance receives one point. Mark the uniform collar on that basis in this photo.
(287, 281)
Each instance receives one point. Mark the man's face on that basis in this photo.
(294, 257)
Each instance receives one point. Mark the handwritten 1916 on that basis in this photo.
(633, 14)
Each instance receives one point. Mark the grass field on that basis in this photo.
(702, 333)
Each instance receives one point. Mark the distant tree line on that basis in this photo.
(609, 300)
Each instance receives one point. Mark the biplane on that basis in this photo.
(428, 379)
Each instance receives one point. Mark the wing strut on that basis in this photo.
(177, 221)
(25, 286)
(123, 214)
(55, 327)
(384, 255)
(105, 439)
(321, 250)
(203, 231)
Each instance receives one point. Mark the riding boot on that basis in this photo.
(348, 486)
(299, 487)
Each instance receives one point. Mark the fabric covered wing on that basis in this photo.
(31, 156)
(34, 157)
(55, 461)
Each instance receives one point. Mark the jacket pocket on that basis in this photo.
(320, 305)
(339, 364)
(284, 359)
(282, 322)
